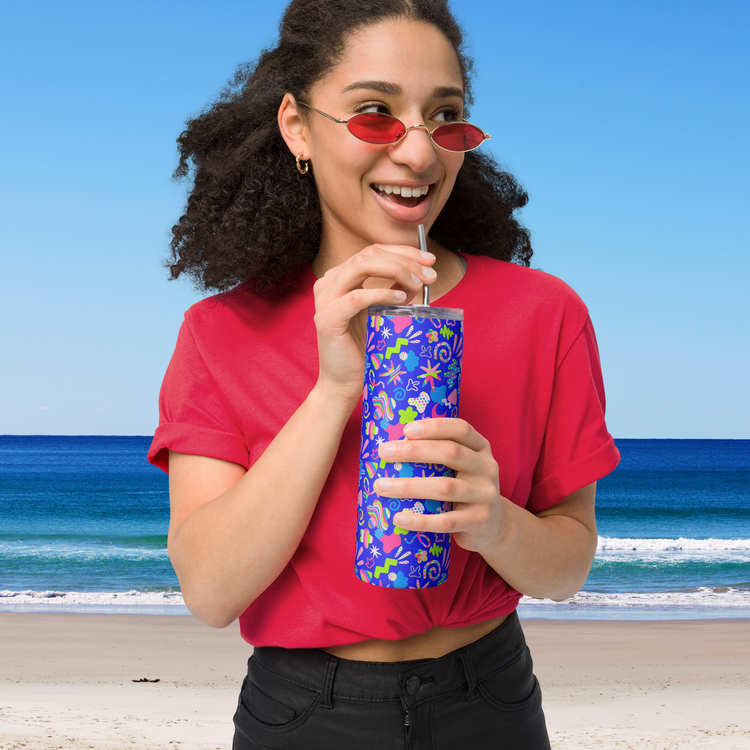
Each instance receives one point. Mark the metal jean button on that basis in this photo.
(412, 685)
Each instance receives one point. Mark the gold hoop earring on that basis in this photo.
(300, 168)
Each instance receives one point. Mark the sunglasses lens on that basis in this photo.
(376, 128)
(458, 136)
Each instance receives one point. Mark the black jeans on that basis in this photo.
(481, 696)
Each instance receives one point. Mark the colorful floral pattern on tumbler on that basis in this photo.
(412, 371)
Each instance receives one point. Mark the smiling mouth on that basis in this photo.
(403, 196)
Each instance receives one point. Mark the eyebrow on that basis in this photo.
(445, 92)
(386, 87)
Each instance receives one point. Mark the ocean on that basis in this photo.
(83, 528)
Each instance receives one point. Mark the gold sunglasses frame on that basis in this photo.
(486, 135)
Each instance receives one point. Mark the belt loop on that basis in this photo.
(331, 664)
(471, 677)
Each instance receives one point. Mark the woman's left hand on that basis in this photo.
(477, 516)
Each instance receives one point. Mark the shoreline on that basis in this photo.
(67, 681)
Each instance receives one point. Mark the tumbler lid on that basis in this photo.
(416, 311)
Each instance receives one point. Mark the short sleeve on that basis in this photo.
(194, 417)
(577, 449)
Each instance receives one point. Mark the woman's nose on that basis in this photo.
(415, 149)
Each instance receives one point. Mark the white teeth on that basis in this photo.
(406, 192)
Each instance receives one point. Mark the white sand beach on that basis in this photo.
(66, 681)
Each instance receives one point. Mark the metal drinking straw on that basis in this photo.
(423, 248)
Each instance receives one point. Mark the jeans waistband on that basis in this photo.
(429, 678)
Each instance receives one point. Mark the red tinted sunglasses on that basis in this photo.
(375, 127)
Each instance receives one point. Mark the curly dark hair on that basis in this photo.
(251, 220)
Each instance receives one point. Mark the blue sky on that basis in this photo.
(627, 122)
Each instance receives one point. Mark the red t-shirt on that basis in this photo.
(531, 384)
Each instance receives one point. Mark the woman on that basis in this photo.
(312, 217)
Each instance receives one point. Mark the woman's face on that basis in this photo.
(407, 69)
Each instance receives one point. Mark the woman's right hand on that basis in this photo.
(342, 296)
(230, 536)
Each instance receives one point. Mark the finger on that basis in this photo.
(446, 452)
(335, 318)
(372, 262)
(435, 523)
(325, 295)
(425, 258)
(351, 278)
(446, 428)
(443, 489)
(379, 262)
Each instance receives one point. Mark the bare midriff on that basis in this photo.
(432, 644)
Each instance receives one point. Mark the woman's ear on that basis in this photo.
(293, 128)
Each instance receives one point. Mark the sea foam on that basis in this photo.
(93, 598)
(607, 544)
(703, 597)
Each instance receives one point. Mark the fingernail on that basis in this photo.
(401, 295)
(429, 273)
(412, 428)
(382, 485)
(416, 279)
(387, 449)
(427, 255)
